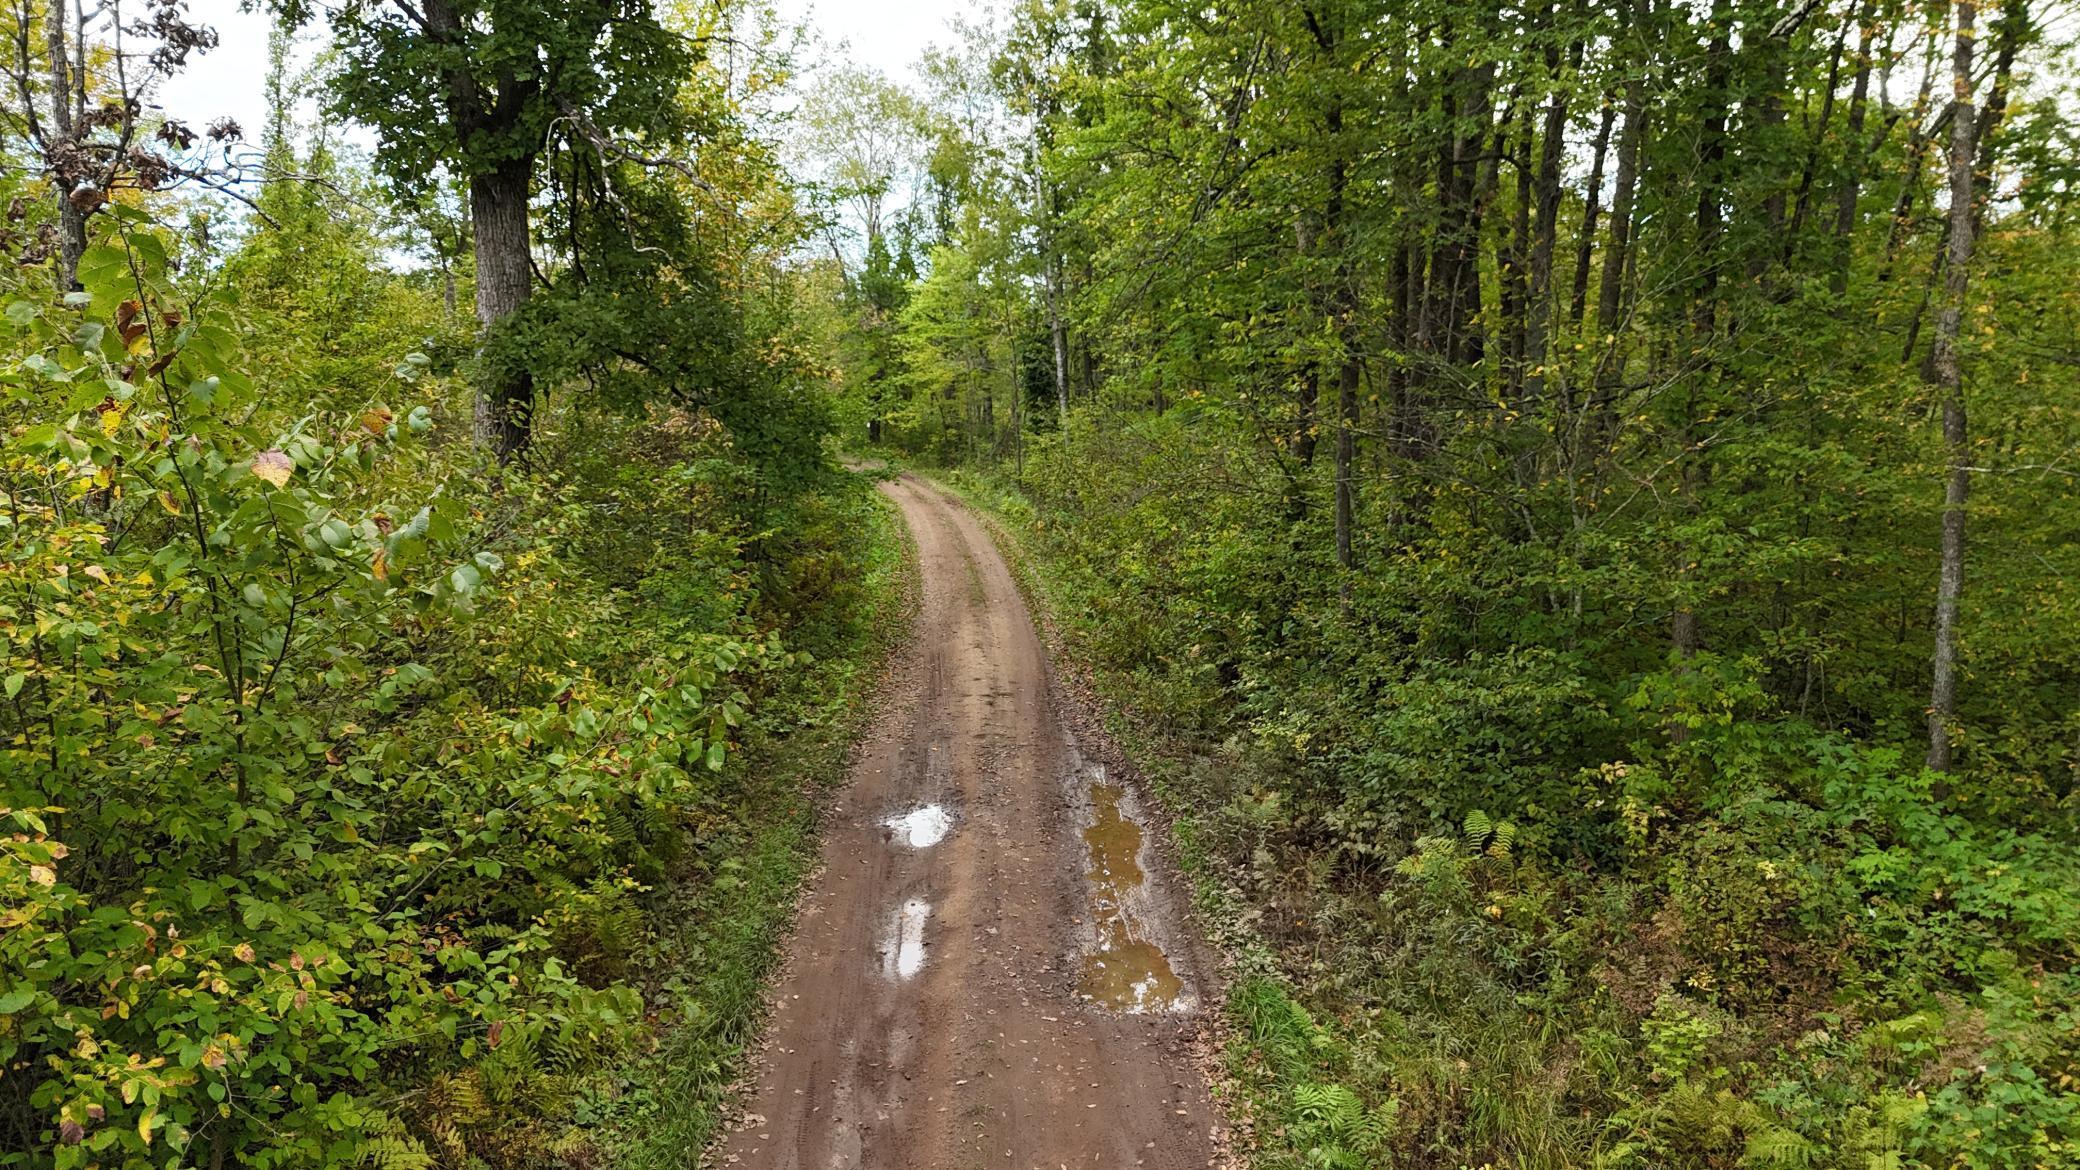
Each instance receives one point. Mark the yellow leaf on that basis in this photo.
(98, 573)
(273, 466)
(43, 875)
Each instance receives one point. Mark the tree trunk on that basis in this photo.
(1346, 456)
(2008, 35)
(1308, 391)
(1546, 232)
(72, 218)
(1452, 297)
(1711, 177)
(1910, 180)
(1345, 310)
(1343, 296)
(505, 277)
(1846, 195)
(1610, 290)
(1513, 256)
(1405, 425)
(1818, 134)
(1058, 334)
(1307, 397)
(1585, 246)
(1949, 378)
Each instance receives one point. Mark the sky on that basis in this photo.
(230, 80)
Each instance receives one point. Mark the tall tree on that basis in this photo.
(1948, 371)
(484, 89)
(80, 105)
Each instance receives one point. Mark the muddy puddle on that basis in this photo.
(1126, 968)
(902, 943)
(920, 828)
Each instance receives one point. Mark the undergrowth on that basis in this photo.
(720, 929)
(1763, 945)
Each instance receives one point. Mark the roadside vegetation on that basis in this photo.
(410, 722)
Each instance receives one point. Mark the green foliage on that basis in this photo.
(342, 786)
(611, 61)
(1498, 473)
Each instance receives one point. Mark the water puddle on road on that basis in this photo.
(902, 946)
(1125, 970)
(921, 828)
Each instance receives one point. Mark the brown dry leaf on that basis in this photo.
(376, 421)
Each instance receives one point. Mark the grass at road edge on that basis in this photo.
(720, 931)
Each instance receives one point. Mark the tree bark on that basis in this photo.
(1346, 456)
(1846, 195)
(1818, 134)
(1405, 423)
(1306, 403)
(1308, 391)
(1711, 214)
(1585, 246)
(1343, 294)
(498, 201)
(72, 218)
(1949, 378)
(1512, 251)
(1546, 230)
(1452, 297)
(1346, 312)
(1610, 289)
(1058, 335)
(1910, 180)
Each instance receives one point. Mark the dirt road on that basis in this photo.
(989, 970)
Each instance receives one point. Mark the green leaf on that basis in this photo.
(13, 685)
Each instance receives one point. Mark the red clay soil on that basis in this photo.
(970, 999)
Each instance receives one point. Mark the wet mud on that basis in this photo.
(990, 969)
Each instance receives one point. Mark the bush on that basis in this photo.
(333, 769)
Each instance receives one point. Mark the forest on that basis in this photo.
(1569, 508)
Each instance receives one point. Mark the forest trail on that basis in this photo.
(988, 971)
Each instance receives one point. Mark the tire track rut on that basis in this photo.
(931, 1013)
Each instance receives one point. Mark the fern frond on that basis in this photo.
(1504, 839)
(1773, 1147)
(386, 1145)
